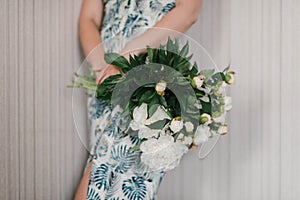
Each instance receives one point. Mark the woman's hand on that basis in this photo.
(106, 72)
(109, 70)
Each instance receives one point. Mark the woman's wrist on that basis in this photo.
(98, 66)
(132, 49)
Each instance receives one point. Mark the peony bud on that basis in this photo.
(223, 130)
(198, 81)
(202, 134)
(187, 140)
(160, 87)
(205, 119)
(189, 127)
(176, 124)
(229, 77)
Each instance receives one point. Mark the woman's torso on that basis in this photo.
(126, 19)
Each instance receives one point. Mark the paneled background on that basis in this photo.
(42, 158)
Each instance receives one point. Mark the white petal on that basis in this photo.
(189, 126)
(176, 125)
(202, 134)
(159, 114)
(146, 132)
(134, 125)
(140, 114)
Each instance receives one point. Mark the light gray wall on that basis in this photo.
(42, 158)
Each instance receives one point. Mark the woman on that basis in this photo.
(122, 24)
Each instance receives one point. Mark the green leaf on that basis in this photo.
(226, 69)
(158, 125)
(163, 101)
(118, 61)
(185, 49)
(147, 95)
(150, 54)
(152, 109)
(135, 148)
(206, 107)
(207, 72)
(194, 70)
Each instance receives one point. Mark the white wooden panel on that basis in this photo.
(25, 77)
(3, 109)
(271, 99)
(290, 100)
(12, 101)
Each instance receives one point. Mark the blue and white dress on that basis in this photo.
(117, 173)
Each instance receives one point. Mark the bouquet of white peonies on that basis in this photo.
(170, 104)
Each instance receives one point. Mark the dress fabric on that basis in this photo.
(117, 173)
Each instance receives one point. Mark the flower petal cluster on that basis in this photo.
(163, 153)
(140, 121)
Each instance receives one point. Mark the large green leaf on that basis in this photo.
(118, 61)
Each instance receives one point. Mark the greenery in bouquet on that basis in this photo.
(170, 103)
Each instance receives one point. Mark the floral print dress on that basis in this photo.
(117, 173)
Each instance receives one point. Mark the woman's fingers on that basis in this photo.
(99, 75)
(107, 72)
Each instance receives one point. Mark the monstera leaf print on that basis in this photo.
(103, 146)
(122, 159)
(168, 7)
(114, 184)
(92, 195)
(134, 188)
(134, 139)
(100, 176)
(155, 5)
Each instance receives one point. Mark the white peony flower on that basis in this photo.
(185, 140)
(160, 87)
(205, 119)
(228, 103)
(202, 134)
(162, 154)
(198, 81)
(189, 126)
(180, 136)
(222, 130)
(140, 121)
(176, 124)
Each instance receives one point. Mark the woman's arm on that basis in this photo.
(89, 32)
(177, 21)
(89, 25)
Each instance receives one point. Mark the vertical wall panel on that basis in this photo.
(240, 127)
(42, 99)
(12, 100)
(255, 99)
(290, 100)
(25, 77)
(3, 109)
(271, 99)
